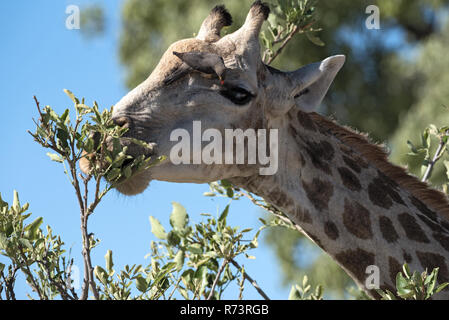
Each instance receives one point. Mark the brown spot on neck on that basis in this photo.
(356, 219)
(424, 209)
(331, 230)
(407, 257)
(431, 224)
(352, 164)
(378, 195)
(443, 240)
(320, 154)
(349, 179)
(387, 229)
(394, 268)
(356, 261)
(412, 228)
(319, 193)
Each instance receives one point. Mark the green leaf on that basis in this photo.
(16, 202)
(195, 248)
(314, 39)
(55, 157)
(179, 259)
(387, 295)
(187, 277)
(294, 294)
(433, 129)
(224, 214)
(71, 96)
(141, 284)
(184, 293)
(178, 217)
(426, 138)
(113, 174)
(26, 243)
(412, 147)
(157, 229)
(3, 241)
(2, 267)
(225, 183)
(128, 172)
(201, 274)
(402, 287)
(441, 287)
(446, 165)
(33, 227)
(173, 239)
(65, 119)
(406, 270)
(100, 274)
(109, 261)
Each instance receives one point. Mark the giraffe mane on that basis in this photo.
(376, 155)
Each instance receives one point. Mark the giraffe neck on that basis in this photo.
(360, 209)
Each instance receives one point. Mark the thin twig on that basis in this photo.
(435, 159)
(38, 109)
(61, 287)
(174, 289)
(287, 39)
(253, 282)
(9, 285)
(28, 272)
(217, 278)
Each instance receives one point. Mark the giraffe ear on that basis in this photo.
(311, 82)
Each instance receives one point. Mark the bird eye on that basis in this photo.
(237, 95)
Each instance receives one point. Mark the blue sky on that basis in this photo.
(41, 57)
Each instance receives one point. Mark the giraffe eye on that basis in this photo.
(237, 95)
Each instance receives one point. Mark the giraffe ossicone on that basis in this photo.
(332, 181)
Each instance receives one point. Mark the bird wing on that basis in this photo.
(177, 74)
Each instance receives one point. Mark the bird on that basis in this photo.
(204, 62)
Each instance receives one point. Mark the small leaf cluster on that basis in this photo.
(151, 282)
(288, 18)
(424, 150)
(40, 257)
(203, 254)
(414, 286)
(304, 291)
(91, 135)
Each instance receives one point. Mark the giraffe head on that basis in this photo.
(224, 84)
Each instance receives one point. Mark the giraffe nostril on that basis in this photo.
(123, 122)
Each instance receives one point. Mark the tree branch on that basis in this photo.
(217, 278)
(287, 39)
(436, 157)
(253, 282)
(27, 272)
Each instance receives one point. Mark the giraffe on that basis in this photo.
(331, 180)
